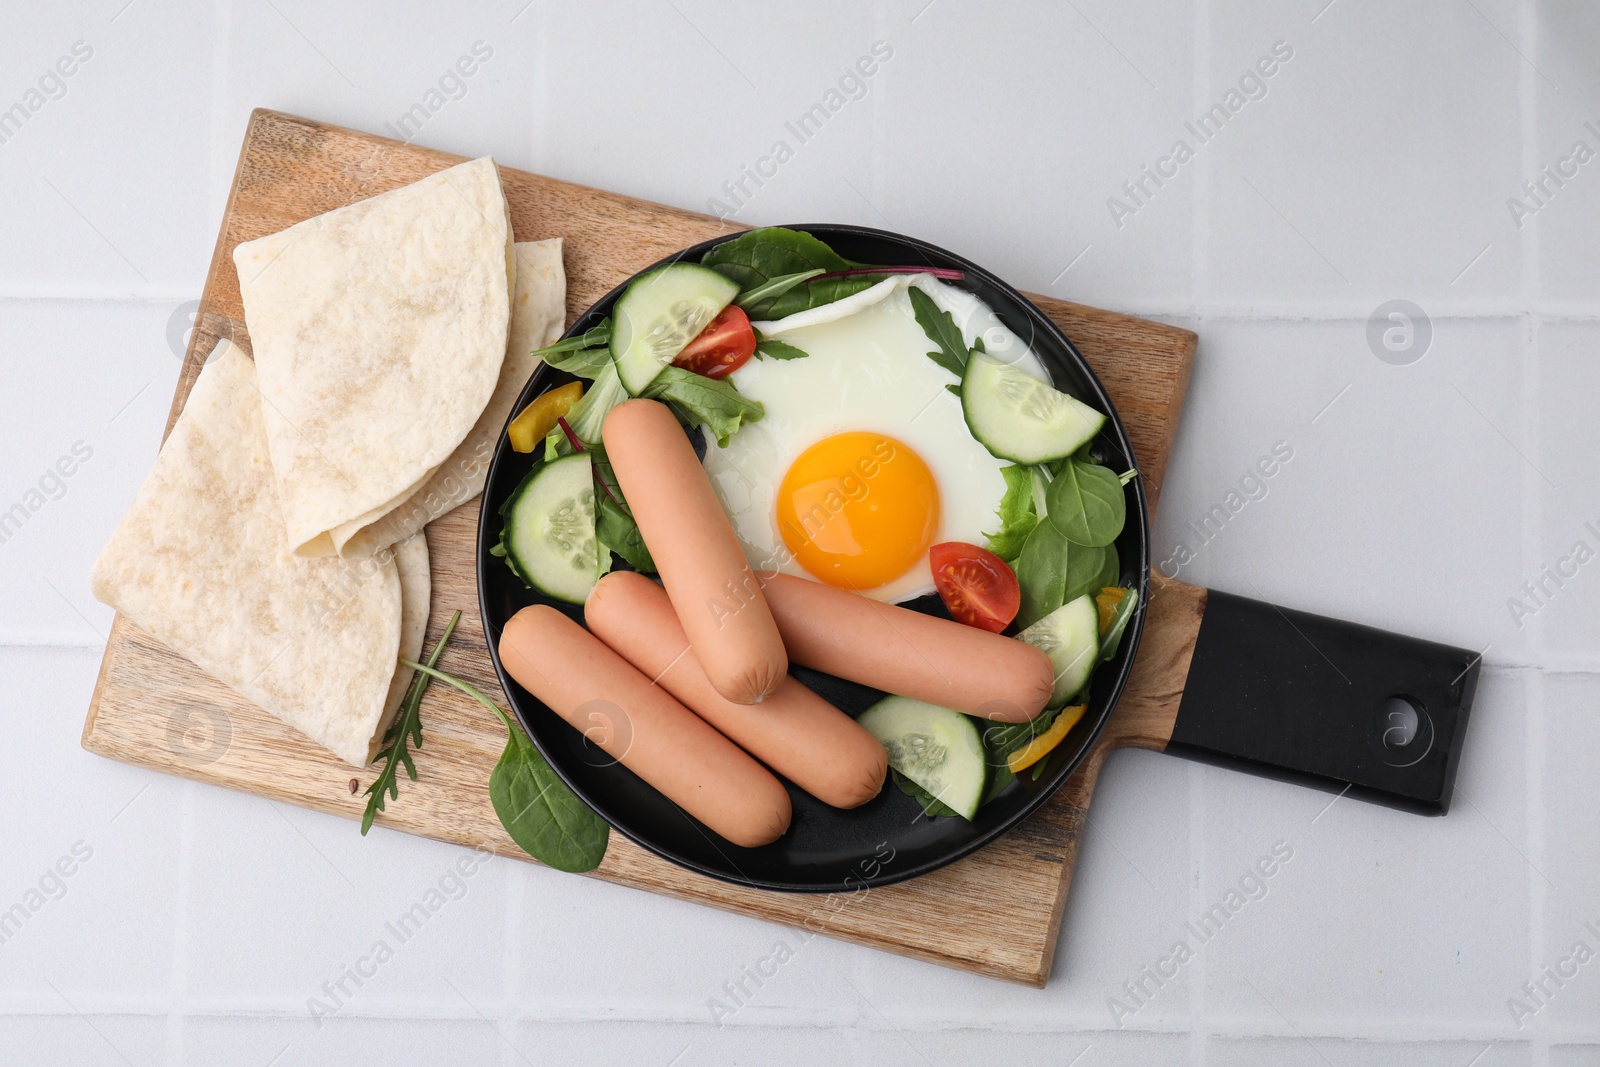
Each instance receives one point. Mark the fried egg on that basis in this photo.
(863, 459)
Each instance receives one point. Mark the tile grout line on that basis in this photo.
(1199, 1038)
(1533, 817)
(1231, 1026)
(876, 156)
(1533, 529)
(539, 90)
(511, 969)
(1200, 191)
(221, 176)
(178, 979)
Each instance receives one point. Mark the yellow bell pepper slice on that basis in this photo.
(539, 417)
(1040, 746)
(1106, 601)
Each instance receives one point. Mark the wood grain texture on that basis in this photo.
(155, 709)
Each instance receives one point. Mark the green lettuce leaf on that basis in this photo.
(710, 402)
(614, 527)
(588, 414)
(1017, 516)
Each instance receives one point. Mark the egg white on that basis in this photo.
(866, 368)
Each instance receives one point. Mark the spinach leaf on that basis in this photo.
(1119, 624)
(941, 330)
(1041, 573)
(543, 816)
(710, 402)
(1086, 503)
(932, 806)
(1000, 739)
(772, 348)
(762, 256)
(1110, 572)
(776, 287)
(1000, 776)
(1017, 517)
(1052, 571)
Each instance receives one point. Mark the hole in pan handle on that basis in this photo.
(1327, 703)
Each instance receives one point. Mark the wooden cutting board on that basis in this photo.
(996, 912)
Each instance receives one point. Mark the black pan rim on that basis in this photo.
(919, 253)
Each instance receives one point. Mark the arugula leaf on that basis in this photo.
(1016, 512)
(775, 288)
(772, 348)
(710, 402)
(763, 256)
(1112, 638)
(543, 816)
(407, 725)
(941, 330)
(1052, 570)
(1086, 503)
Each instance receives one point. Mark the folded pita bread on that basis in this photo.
(201, 562)
(379, 331)
(538, 318)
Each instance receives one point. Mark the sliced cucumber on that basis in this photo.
(660, 313)
(1070, 636)
(935, 747)
(1018, 417)
(548, 538)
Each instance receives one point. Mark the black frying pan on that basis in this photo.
(1259, 694)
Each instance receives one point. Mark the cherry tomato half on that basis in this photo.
(975, 584)
(725, 345)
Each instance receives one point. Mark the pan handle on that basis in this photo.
(1327, 703)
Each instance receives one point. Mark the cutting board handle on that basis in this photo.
(1326, 703)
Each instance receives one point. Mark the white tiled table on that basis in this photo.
(1377, 166)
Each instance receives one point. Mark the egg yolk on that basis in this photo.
(858, 509)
